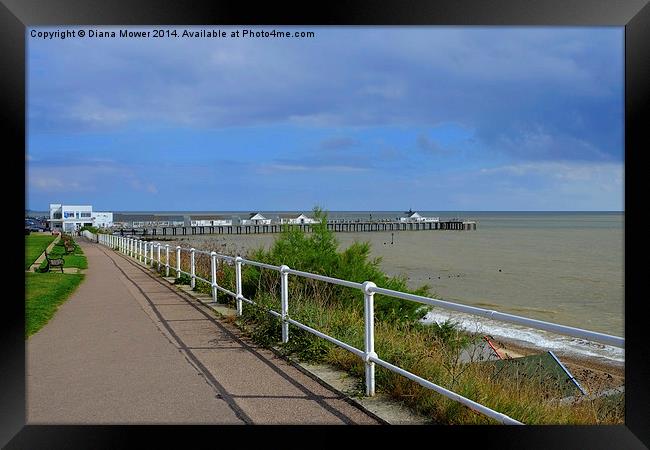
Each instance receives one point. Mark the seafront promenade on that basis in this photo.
(126, 348)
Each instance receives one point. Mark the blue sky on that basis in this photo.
(355, 118)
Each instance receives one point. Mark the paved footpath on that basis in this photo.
(128, 348)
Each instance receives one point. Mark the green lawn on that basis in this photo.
(44, 292)
(35, 244)
(74, 259)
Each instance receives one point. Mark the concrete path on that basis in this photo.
(129, 348)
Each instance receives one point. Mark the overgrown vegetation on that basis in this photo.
(430, 351)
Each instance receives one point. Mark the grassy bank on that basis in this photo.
(44, 292)
(35, 245)
(431, 352)
(75, 259)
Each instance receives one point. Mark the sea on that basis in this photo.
(562, 267)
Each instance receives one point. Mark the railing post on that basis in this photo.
(167, 260)
(213, 272)
(146, 252)
(158, 255)
(284, 301)
(192, 269)
(140, 250)
(178, 261)
(151, 254)
(369, 316)
(238, 263)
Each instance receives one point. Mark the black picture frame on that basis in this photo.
(634, 15)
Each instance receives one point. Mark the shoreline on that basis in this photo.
(593, 373)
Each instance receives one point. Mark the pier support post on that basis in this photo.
(369, 316)
(213, 272)
(178, 261)
(192, 268)
(284, 299)
(238, 263)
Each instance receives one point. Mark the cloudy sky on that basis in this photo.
(354, 118)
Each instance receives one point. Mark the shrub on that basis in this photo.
(317, 253)
(183, 279)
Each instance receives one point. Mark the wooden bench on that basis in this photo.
(68, 244)
(53, 262)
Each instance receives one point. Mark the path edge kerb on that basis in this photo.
(191, 298)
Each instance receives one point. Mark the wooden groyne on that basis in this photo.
(336, 226)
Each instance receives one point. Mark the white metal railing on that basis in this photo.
(128, 246)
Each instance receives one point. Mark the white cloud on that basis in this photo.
(568, 171)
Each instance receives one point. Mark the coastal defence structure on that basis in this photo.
(336, 226)
(157, 256)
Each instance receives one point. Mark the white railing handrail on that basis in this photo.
(132, 247)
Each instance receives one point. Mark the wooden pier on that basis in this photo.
(336, 226)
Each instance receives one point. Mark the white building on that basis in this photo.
(103, 219)
(414, 216)
(210, 220)
(134, 220)
(70, 218)
(295, 219)
(256, 219)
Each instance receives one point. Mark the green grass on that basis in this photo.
(44, 292)
(35, 245)
(74, 259)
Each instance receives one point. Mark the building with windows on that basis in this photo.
(413, 216)
(256, 219)
(103, 219)
(134, 220)
(210, 220)
(69, 218)
(296, 218)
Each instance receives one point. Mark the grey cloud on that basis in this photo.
(496, 81)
